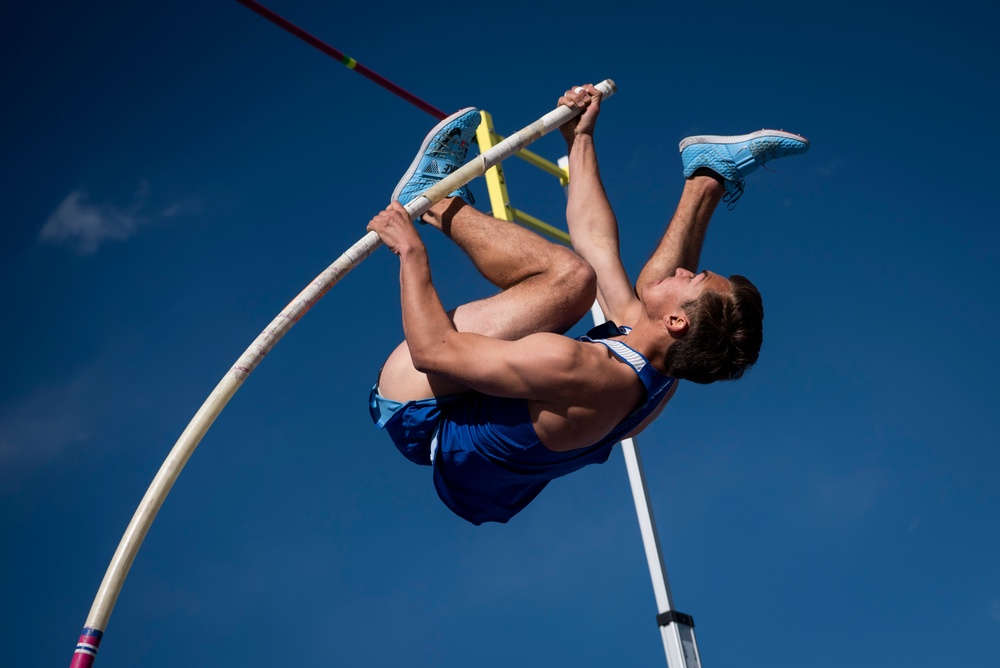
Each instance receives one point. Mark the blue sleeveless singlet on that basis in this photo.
(489, 463)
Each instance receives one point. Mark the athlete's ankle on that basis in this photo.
(702, 172)
(441, 213)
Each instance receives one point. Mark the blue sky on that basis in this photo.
(174, 174)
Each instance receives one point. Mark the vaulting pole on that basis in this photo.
(121, 562)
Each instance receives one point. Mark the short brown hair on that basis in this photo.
(724, 337)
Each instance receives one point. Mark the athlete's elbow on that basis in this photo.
(422, 360)
(429, 358)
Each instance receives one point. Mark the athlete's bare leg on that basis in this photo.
(544, 287)
(681, 244)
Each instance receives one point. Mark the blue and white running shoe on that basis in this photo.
(443, 151)
(734, 158)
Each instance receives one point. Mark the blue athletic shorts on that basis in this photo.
(412, 426)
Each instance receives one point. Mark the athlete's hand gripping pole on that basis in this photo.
(121, 562)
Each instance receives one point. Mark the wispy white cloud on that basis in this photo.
(186, 206)
(855, 493)
(36, 429)
(86, 225)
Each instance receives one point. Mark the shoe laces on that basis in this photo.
(451, 147)
(465, 192)
(762, 150)
(734, 191)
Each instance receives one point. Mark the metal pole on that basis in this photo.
(676, 629)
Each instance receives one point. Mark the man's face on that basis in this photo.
(669, 294)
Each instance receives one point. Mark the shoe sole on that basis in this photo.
(737, 139)
(408, 174)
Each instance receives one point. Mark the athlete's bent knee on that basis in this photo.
(575, 281)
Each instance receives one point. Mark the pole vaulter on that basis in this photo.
(676, 629)
(121, 562)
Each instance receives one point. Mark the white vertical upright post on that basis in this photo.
(676, 628)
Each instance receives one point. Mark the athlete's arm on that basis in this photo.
(593, 227)
(535, 367)
(542, 367)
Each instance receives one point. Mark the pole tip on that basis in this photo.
(608, 87)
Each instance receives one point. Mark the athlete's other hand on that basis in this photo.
(396, 230)
(588, 98)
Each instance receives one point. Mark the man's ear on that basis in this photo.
(677, 324)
